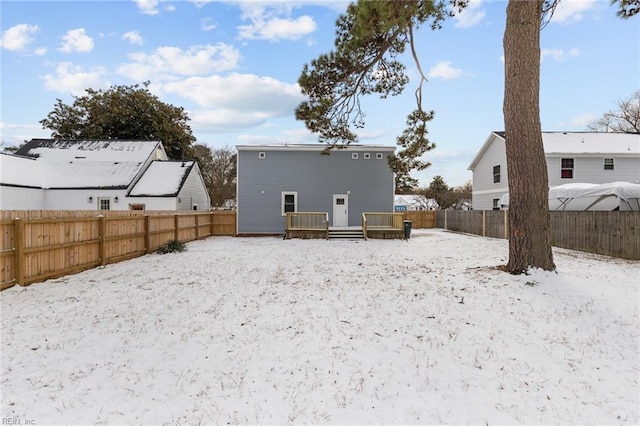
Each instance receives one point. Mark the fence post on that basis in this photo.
(197, 228)
(445, 220)
(484, 223)
(102, 233)
(505, 225)
(176, 222)
(19, 254)
(147, 234)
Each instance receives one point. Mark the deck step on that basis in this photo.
(346, 234)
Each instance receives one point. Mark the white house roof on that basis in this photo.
(313, 147)
(162, 178)
(591, 143)
(586, 143)
(20, 171)
(86, 163)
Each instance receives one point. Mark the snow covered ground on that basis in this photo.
(263, 330)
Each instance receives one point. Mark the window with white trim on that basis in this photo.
(496, 204)
(367, 155)
(104, 203)
(496, 174)
(379, 156)
(289, 202)
(262, 154)
(354, 155)
(566, 168)
(609, 163)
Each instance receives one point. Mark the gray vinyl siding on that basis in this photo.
(315, 178)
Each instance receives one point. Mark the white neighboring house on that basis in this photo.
(572, 157)
(47, 174)
(410, 202)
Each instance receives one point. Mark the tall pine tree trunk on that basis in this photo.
(529, 220)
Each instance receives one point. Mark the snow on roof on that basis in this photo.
(84, 163)
(20, 171)
(162, 178)
(590, 143)
(90, 150)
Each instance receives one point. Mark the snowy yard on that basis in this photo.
(262, 330)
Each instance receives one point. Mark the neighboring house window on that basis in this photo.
(262, 155)
(367, 155)
(289, 202)
(136, 206)
(496, 174)
(194, 207)
(566, 168)
(608, 163)
(354, 155)
(379, 156)
(496, 203)
(104, 204)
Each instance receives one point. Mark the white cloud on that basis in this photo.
(238, 100)
(558, 54)
(207, 24)
(471, 15)
(278, 29)
(445, 71)
(18, 37)
(73, 79)
(76, 41)
(273, 22)
(132, 37)
(569, 11)
(40, 51)
(148, 7)
(167, 62)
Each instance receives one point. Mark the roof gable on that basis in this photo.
(162, 179)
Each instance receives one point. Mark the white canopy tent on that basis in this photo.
(622, 196)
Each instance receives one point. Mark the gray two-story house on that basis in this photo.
(276, 179)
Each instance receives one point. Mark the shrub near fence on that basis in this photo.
(38, 245)
(610, 233)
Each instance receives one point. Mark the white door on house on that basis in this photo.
(340, 210)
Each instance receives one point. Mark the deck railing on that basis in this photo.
(372, 221)
(308, 221)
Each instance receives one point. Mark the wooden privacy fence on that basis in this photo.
(421, 218)
(38, 245)
(611, 233)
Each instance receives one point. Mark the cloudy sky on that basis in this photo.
(234, 66)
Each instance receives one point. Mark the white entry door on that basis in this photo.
(340, 210)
